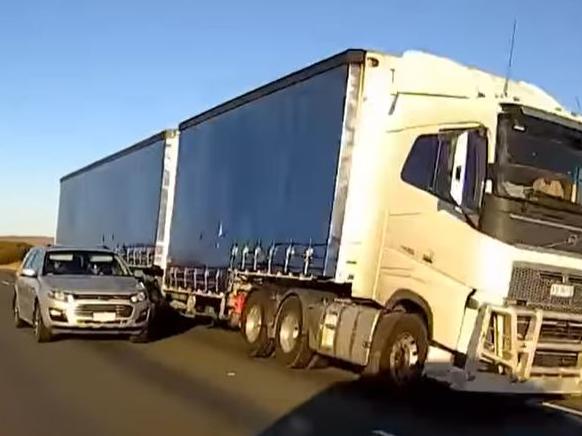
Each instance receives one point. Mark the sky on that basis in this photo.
(83, 79)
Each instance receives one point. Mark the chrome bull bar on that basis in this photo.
(525, 344)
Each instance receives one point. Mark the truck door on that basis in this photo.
(431, 222)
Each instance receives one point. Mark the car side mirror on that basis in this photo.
(139, 274)
(28, 272)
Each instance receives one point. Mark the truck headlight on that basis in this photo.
(61, 296)
(138, 298)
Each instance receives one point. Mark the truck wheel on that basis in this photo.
(18, 322)
(291, 341)
(41, 332)
(254, 325)
(404, 346)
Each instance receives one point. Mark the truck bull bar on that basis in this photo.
(532, 349)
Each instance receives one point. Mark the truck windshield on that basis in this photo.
(84, 263)
(539, 161)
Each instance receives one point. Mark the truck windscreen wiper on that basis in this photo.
(571, 240)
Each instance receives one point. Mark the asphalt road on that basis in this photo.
(198, 381)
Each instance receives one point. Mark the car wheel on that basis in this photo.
(18, 322)
(254, 325)
(41, 332)
(291, 341)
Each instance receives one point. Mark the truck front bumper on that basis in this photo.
(522, 350)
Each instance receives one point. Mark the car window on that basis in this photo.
(84, 263)
(29, 259)
(36, 263)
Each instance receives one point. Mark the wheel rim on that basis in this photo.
(404, 358)
(289, 332)
(253, 324)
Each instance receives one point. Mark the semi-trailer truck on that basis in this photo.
(405, 214)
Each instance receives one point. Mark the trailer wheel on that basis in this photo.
(254, 325)
(291, 341)
(402, 341)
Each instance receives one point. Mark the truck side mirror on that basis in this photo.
(459, 167)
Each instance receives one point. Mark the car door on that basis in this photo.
(34, 285)
(23, 286)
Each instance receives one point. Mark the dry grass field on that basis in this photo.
(13, 248)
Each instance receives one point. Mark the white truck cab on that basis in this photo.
(465, 202)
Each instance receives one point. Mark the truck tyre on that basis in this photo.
(399, 350)
(41, 332)
(254, 325)
(291, 341)
(18, 322)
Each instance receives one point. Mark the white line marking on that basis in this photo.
(5, 283)
(563, 409)
(381, 433)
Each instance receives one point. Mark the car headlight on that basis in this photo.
(61, 295)
(138, 298)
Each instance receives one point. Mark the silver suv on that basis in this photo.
(74, 290)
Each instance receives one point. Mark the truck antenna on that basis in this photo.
(510, 60)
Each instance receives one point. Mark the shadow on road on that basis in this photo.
(168, 323)
(353, 408)
(165, 324)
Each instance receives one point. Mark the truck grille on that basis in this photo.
(556, 333)
(556, 359)
(531, 285)
(561, 331)
(121, 310)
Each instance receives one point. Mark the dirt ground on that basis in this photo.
(32, 240)
(13, 248)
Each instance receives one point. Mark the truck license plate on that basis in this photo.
(561, 290)
(104, 316)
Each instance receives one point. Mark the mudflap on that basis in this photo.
(235, 307)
